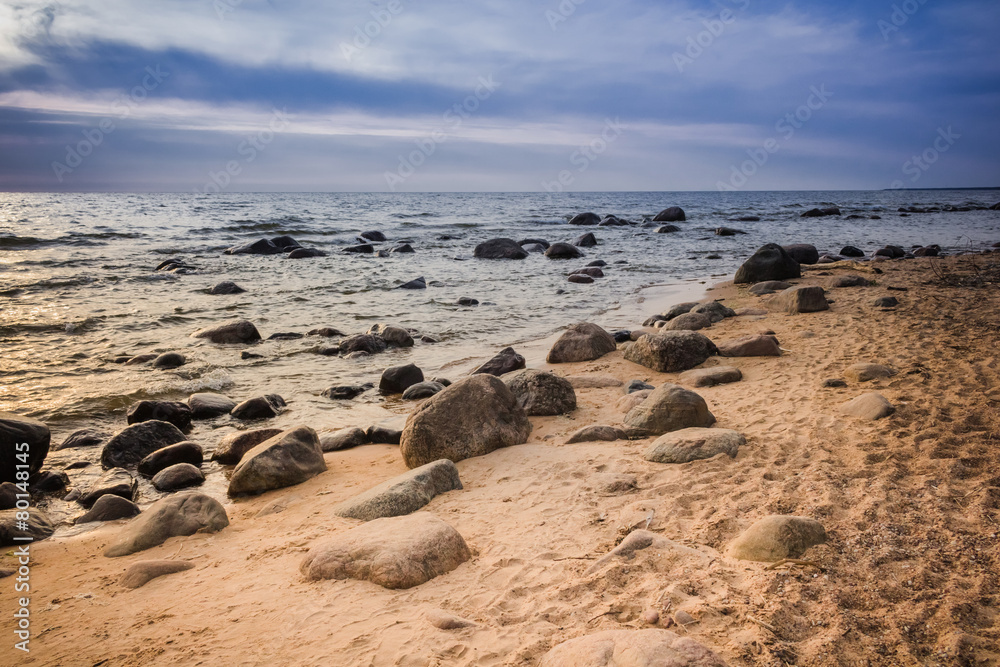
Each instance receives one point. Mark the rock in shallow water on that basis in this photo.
(182, 452)
(505, 362)
(86, 437)
(178, 476)
(117, 481)
(232, 447)
(208, 405)
(228, 333)
(174, 412)
(422, 390)
(397, 379)
(129, 446)
(226, 287)
(16, 432)
(346, 438)
(261, 407)
(109, 508)
(177, 515)
(770, 262)
(499, 249)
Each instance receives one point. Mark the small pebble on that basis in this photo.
(651, 617)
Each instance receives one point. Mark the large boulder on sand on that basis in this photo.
(499, 249)
(232, 447)
(227, 333)
(472, 417)
(803, 253)
(404, 494)
(180, 514)
(131, 445)
(16, 432)
(285, 460)
(396, 552)
(794, 300)
(776, 537)
(691, 444)
(631, 648)
(581, 342)
(709, 377)
(671, 351)
(668, 408)
(542, 394)
(868, 406)
(770, 262)
(763, 345)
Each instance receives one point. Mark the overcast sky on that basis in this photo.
(449, 95)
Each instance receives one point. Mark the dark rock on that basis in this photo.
(226, 287)
(232, 447)
(178, 476)
(174, 412)
(680, 309)
(499, 249)
(637, 385)
(258, 247)
(468, 301)
(129, 446)
(581, 342)
(770, 262)
(207, 405)
(672, 214)
(141, 359)
(671, 351)
(177, 515)
(141, 573)
(886, 302)
(668, 408)
(596, 434)
(234, 332)
(169, 360)
(821, 212)
(890, 251)
(800, 300)
(728, 231)
(260, 407)
(346, 438)
(182, 452)
(109, 508)
(403, 249)
(16, 432)
(86, 437)
(422, 390)
(393, 336)
(585, 219)
(542, 394)
(506, 361)
(667, 229)
(8, 495)
(747, 218)
(361, 249)
(598, 263)
(288, 335)
(621, 336)
(285, 460)
(834, 383)
(587, 240)
(117, 481)
(714, 310)
(13, 529)
(688, 322)
(381, 435)
(751, 346)
(591, 271)
(327, 332)
(535, 248)
(373, 235)
(830, 259)
(245, 354)
(541, 242)
(49, 481)
(285, 243)
(403, 494)
(416, 283)
(363, 343)
(305, 253)
(396, 379)
(929, 251)
(803, 253)
(580, 278)
(346, 392)
(851, 251)
(563, 251)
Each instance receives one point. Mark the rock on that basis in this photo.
(232, 447)
(360, 249)
(506, 361)
(890, 251)
(258, 247)
(416, 283)
(8, 495)
(688, 322)
(692, 444)
(363, 343)
(404, 494)
(393, 336)
(851, 251)
(865, 372)
(14, 529)
(776, 537)
(769, 287)
(834, 383)
(597, 433)
(226, 287)
(287, 459)
(15, 432)
(499, 249)
(714, 310)
(668, 408)
(131, 445)
(174, 412)
(680, 309)
(207, 405)
(821, 212)
(542, 394)
(709, 377)
(228, 333)
(422, 390)
(728, 231)
(541, 242)
(109, 507)
(563, 251)
(849, 280)
(260, 407)
(597, 263)
(928, 251)
(382, 435)
(305, 253)
(86, 437)
(347, 438)
(770, 262)
(141, 359)
(587, 240)
(868, 406)
(178, 476)
(886, 302)
(615, 484)
(245, 354)
(117, 481)
(592, 271)
(585, 219)
(803, 253)
(182, 452)
(467, 301)
(671, 351)
(830, 259)
(631, 648)
(393, 552)
(672, 214)
(402, 249)
(373, 235)
(169, 360)
(535, 248)
(290, 335)
(581, 342)
(445, 621)
(177, 515)
(472, 417)
(629, 401)
(49, 481)
(580, 278)
(141, 573)
(346, 392)
(397, 379)
(637, 385)
(751, 346)
(795, 300)
(613, 221)
(667, 229)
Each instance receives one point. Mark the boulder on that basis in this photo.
(416, 283)
(8, 495)
(403, 494)
(667, 229)
(890, 251)
(372, 235)
(563, 251)
(927, 251)
(109, 507)
(770, 262)
(360, 249)
(346, 392)
(671, 351)
(499, 249)
(598, 433)
(49, 481)
(777, 537)
(141, 573)
(232, 447)
(541, 242)
(692, 444)
(713, 310)
(140, 359)
(258, 247)
(581, 342)
(23, 440)
(86, 437)
(230, 333)
(226, 287)
(688, 322)
(709, 377)
(587, 240)
(169, 360)
(631, 648)
(178, 476)
(803, 253)
(182, 452)
(13, 529)
(207, 405)
(679, 309)
(886, 302)
(868, 406)
(592, 271)
(393, 552)
(637, 385)
(287, 459)
(174, 412)
(795, 300)
(848, 280)
(346, 438)
(672, 214)
(769, 287)
(467, 301)
(117, 482)
(751, 346)
(506, 361)
(393, 336)
(668, 408)
(851, 251)
(585, 219)
(260, 407)
(580, 278)
(821, 212)
(177, 515)
(363, 343)
(397, 379)
(542, 394)
(131, 445)
(422, 390)
(383, 435)
(865, 372)
(728, 231)
(304, 253)
(472, 417)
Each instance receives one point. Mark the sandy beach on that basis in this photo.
(907, 575)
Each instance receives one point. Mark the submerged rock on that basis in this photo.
(563, 251)
(585, 219)
(672, 214)
(499, 249)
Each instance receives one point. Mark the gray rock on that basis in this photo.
(631, 648)
(404, 494)
(866, 372)
(587, 240)
(709, 377)
(851, 251)
(499, 249)
(393, 336)
(849, 280)
(174, 412)
(585, 219)
(671, 351)
(232, 447)
(598, 433)
(285, 460)
(382, 435)
(563, 251)
(770, 262)
(821, 212)
(360, 249)
(141, 573)
(373, 235)
(688, 322)
(580, 278)
(15, 432)
(346, 438)
(131, 445)
(207, 405)
(422, 390)
(637, 385)
(667, 229)
(177, 515)
(776, 537)
(109, 507)
(260, 407)
(38, 526)
(416, 283)
(886, 302)
(751, 346)
(182, 452)
(226, 287)
(800, 300)
(668, 408)
(230, 333)
(679, 309)
(178, 476)
(397, 379)
(346, 392)
(305, 253)
(505, 362)
(692, 444)
(541, 393)
(714, 310)
(581, 342)
(803, 253)
(49, 481)
(672, 214)
(769, 287)
(117, 481)
(169, 360)
(86, 437)
(363, 343)
(868, 406)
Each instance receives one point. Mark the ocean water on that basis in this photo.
(78, 286)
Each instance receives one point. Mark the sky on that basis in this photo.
(519, 95)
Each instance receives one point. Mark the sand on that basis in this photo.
(908, 577)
